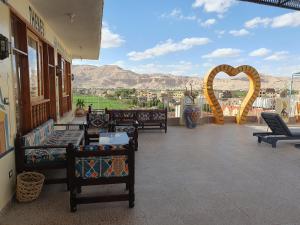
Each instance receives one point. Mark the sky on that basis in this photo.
(190, 37)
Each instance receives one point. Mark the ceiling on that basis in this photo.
(78, 24)
(289, 4)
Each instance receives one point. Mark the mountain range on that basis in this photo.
(110, 76)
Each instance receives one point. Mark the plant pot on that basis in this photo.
(79, 112)
(195, 116)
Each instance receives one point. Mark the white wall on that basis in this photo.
(7, 163)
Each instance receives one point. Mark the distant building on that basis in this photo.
(265, 103)
(267, 92)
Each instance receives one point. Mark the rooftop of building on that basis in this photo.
(209, 175)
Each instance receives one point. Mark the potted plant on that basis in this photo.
(80, 108)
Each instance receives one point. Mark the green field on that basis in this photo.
(102, 103)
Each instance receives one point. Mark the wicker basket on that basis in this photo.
(29, 186)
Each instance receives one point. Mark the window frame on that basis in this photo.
(41, 86)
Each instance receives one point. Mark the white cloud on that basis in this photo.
(261, 52)
(282, 70)
(218, 6)
(207, 65)
(180, 68)
(167, 47)
(177, 14)
(220, 33)
(285, 20)
(208, 23)
(110, 39)
(239, 33)
(257, 21)
(223, 53)
(277, 56)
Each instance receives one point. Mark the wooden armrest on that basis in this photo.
(85, 153)
(81, 126)
(44, 146)
(263, 134)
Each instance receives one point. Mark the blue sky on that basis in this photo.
(190, 37)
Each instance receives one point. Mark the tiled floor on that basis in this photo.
(210, 175)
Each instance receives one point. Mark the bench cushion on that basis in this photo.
(58, 137)
(130, 130)
(41, 156)
(39, 134)
(105, 166)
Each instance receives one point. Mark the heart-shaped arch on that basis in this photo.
(253, 92)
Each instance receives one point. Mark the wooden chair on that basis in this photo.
(100, 165)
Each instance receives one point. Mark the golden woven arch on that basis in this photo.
(253, 92)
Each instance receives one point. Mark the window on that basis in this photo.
(65, 76)
(19, 62)
(35, 52)
(68, 77)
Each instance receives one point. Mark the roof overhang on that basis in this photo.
(78, 24)
(289, 4)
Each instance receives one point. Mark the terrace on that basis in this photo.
(211, 175)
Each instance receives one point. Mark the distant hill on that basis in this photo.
(115, 77)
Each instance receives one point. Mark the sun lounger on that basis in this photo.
(279, 130)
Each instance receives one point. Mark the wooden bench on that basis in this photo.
(148, 119)
(44, 148)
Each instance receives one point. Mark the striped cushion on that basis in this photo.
(39, 134)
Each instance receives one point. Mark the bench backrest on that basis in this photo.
(96, 118)
(140, 115)
(276, 124)
(151, 115)
(38, 135)
(122, 115)
(100, 166)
